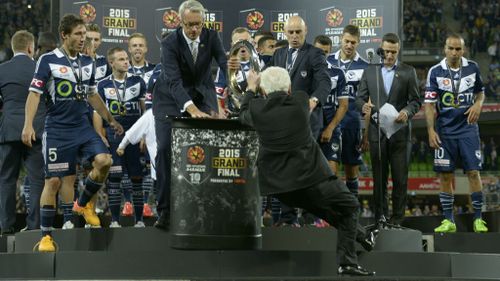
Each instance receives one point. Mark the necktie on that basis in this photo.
(194, 50)
(289, 59)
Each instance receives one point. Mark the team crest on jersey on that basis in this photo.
(112, 92)
(63, 69)
(468, 81)
(446, 82)
(303, 74)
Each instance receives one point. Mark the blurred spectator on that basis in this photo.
(366, 212)
(422, 23)
(16, 15)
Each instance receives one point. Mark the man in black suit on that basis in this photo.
(15, 79)
(291, 165)
(307, 68)
(185, 87)
(397, 85)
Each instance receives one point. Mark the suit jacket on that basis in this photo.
(15, 79)
(182, 80)
(289, 157)
(308, 74)
(404, 95)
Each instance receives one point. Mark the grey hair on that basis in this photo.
(275, 79)
(193, 6)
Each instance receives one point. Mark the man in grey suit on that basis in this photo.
(397, 85)
(15, 79)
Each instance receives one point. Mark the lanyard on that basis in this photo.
(455, 89)
(79, 79)
(122, 98)
(348, 66)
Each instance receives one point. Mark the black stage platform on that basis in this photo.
(287, 254)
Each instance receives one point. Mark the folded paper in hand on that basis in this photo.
(388, 115)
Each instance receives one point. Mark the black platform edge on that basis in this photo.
(467, 242)
(426, 224)
(27, 266)
(215, 242)
(152, 239)
(277, 265)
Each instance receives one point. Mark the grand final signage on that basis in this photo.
(120, 18)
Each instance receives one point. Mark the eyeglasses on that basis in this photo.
(196, 25)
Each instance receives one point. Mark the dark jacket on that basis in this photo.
(182, 80)
(15, 79)
(289, 157)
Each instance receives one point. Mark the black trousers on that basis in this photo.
(333, 202)
(395, 154)
(12, 156)
(163, 127)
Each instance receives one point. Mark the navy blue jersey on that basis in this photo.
(353, 70)
(451, 121)
(151, 83)
(102, 68)
(339, 91)
(130, 98)
(54, 77)
(144, 72)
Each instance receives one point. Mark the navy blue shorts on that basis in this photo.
(63, 147)
(129, 163)
(333, 149)
(351, 140)
(467, 150)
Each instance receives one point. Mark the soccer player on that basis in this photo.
(455, 89)
(348, 59)
(138, 48)
(101, 64)
(123, 94)
(67, 78)
(334, 109)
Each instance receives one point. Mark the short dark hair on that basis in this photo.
(281, 44)
(113, 51)
(391, 38)
(93, 27)
(263, 40)
(68, 23)
(323, 40)
(263, 32)
(47, 40)
(352, 29)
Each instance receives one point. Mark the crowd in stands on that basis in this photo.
(423, 22)
(16, 15)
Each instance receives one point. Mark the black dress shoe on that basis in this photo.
(368, 243)
(163, 222)
(354, 270)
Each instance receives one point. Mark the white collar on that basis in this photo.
(465, 62)
(337, 56)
